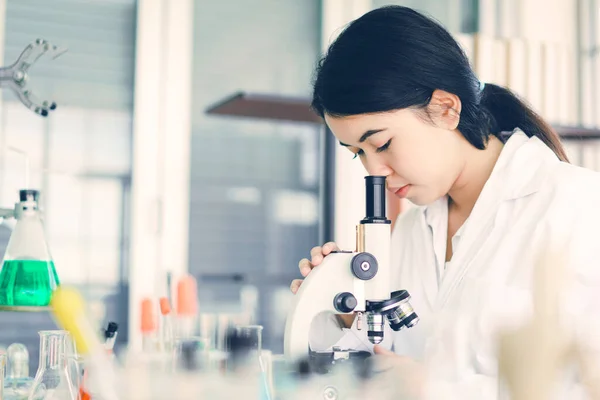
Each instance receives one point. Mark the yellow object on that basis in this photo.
(68, 307)
(532, 357)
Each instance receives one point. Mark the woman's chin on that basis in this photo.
(420, 199)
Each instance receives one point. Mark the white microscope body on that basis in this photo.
(352, 282)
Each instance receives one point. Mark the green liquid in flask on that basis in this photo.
(27, 282)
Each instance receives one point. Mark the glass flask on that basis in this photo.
(52, 380)
(27, 276)
(18, 383)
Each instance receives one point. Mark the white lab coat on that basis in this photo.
(530, 199)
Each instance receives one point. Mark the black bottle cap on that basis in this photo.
(29, 195)
(111, 330)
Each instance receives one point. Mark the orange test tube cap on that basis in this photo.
(165, 306)
(187, 296)
(148, 320)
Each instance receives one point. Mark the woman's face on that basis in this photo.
(420, 160)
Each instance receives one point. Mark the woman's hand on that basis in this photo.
(317, 254)
(406, 375)
(316, 257)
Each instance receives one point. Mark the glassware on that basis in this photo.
(27, 276)
(52, 380)
(253, 333)
(244, 365)
(2, 369)
(18, 383)
(18, 361)
(252, 337)
(74, 361)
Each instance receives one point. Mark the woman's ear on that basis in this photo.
(445, 107)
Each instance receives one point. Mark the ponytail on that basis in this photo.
(504, 112)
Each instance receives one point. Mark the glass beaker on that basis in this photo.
(52, 380)
(244, 344)
(252, 335)
(27, 276)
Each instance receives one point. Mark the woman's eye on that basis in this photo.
(384, 147)
(358, 153)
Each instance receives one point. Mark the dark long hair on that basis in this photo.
(394, 57)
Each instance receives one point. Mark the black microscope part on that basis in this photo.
(375, 201)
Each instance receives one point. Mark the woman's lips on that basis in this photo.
(402, 192)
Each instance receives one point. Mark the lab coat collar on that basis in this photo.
(519, 171)
(521, 168)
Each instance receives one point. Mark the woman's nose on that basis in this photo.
(376, 167)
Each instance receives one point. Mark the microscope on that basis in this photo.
(352, 282)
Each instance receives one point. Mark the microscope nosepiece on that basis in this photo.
(397, 310)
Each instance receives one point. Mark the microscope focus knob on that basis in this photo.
(345, 302)
(364, 266)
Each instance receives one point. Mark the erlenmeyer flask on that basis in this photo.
(28, 276)
(52, 380)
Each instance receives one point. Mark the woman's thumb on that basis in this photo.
(377, 349)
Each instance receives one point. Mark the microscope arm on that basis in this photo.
(316, 295)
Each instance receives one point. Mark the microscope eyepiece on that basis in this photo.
(375, 191)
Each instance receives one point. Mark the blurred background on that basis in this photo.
(183, 142)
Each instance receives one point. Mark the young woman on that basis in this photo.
(494, 191)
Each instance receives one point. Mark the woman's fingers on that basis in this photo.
(295, 285)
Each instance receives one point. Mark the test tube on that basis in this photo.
(187, 306)
(225, 324)
(208, 328)
(166, 326)
(148, 325)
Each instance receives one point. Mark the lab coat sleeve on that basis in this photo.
(326, 333)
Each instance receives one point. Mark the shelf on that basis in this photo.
(283, 108)
(577, 133)
(24, 309)
(268, 107)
